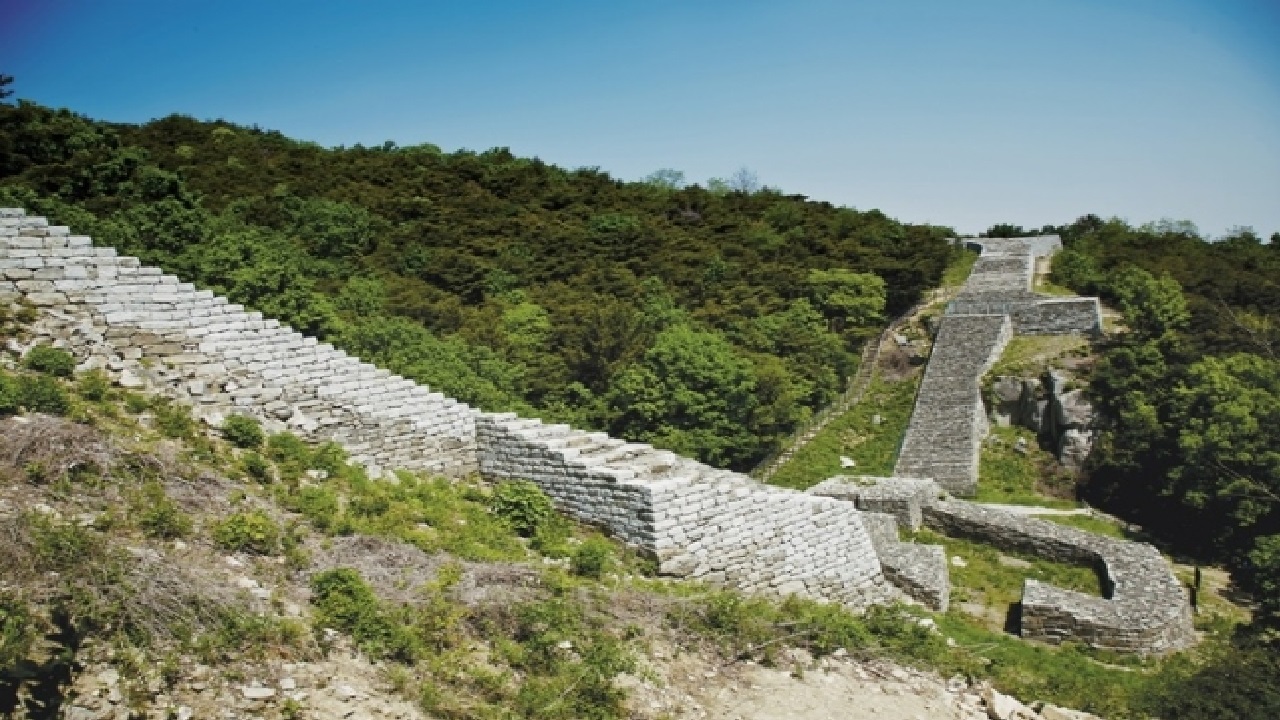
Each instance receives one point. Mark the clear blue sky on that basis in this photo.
(959, 112)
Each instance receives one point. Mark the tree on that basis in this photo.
(1226, 416)
(744, 180)
(5, 81)
(847, 298)
(1154, 308)
(665, 178)
(692, 393)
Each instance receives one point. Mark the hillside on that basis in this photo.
(159, 569)
(502, 281)
(709, 322)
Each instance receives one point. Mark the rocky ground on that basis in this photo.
(675, 685)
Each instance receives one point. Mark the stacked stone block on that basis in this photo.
(949, 421)
(696, 521)
(919, 571)
(146, 327)
(1144, 609)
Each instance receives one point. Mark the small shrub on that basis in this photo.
(592, 558)
(523, 505)
(18, 631)
(44, 394)
(10, 395)
(50, 361)
(291, 454)
(161, 517)
(243, 432)
(256, 467)
(136, 403)
(319, 505)
(345, 602)
(174, 420)
(59, 546)
(253, 532)
(94, 386)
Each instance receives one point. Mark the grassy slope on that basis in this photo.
(873, 447)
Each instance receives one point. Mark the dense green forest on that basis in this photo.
(1190, 400)
(710, 321)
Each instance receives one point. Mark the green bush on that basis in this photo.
(256, 467)
(523, 505)
(345, 602)
(592, 558)
(94, 386)
(59, 546)
(17, 631)
(319, 505)
(50, 361)
(42, 393)
(291, 454)
(174, 420)
(251, 532)
(160, 517)
(10, 395)
(243, 432)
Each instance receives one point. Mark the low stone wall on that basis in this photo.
(1059, 316)
(148, 328)
(697, 521)
(949, 420)
(1144, 608)
(918, 570)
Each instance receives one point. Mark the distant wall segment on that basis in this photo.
(944, 436)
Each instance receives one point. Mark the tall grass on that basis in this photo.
(874, 447)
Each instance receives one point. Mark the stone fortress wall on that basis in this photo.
(697, 521)
(149, 329)
(1144, 607)
(146, 328)
(948, 423)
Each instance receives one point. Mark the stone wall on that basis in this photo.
(949, 421)
(1144, 608)
(148, 329)
(918, 570)
(944, 437)
(697, 521)
(1059, 316)
(145, 327)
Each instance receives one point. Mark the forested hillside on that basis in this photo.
(709, 322)
(1191, 393)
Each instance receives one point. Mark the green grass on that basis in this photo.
(1100, 526)
(985, 579)
(1071, 676)
(854, 435)
(1030, 355)
(1009, 477)
(959, 268)
(1045, 287)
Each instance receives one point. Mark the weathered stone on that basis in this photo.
(1004, 707)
